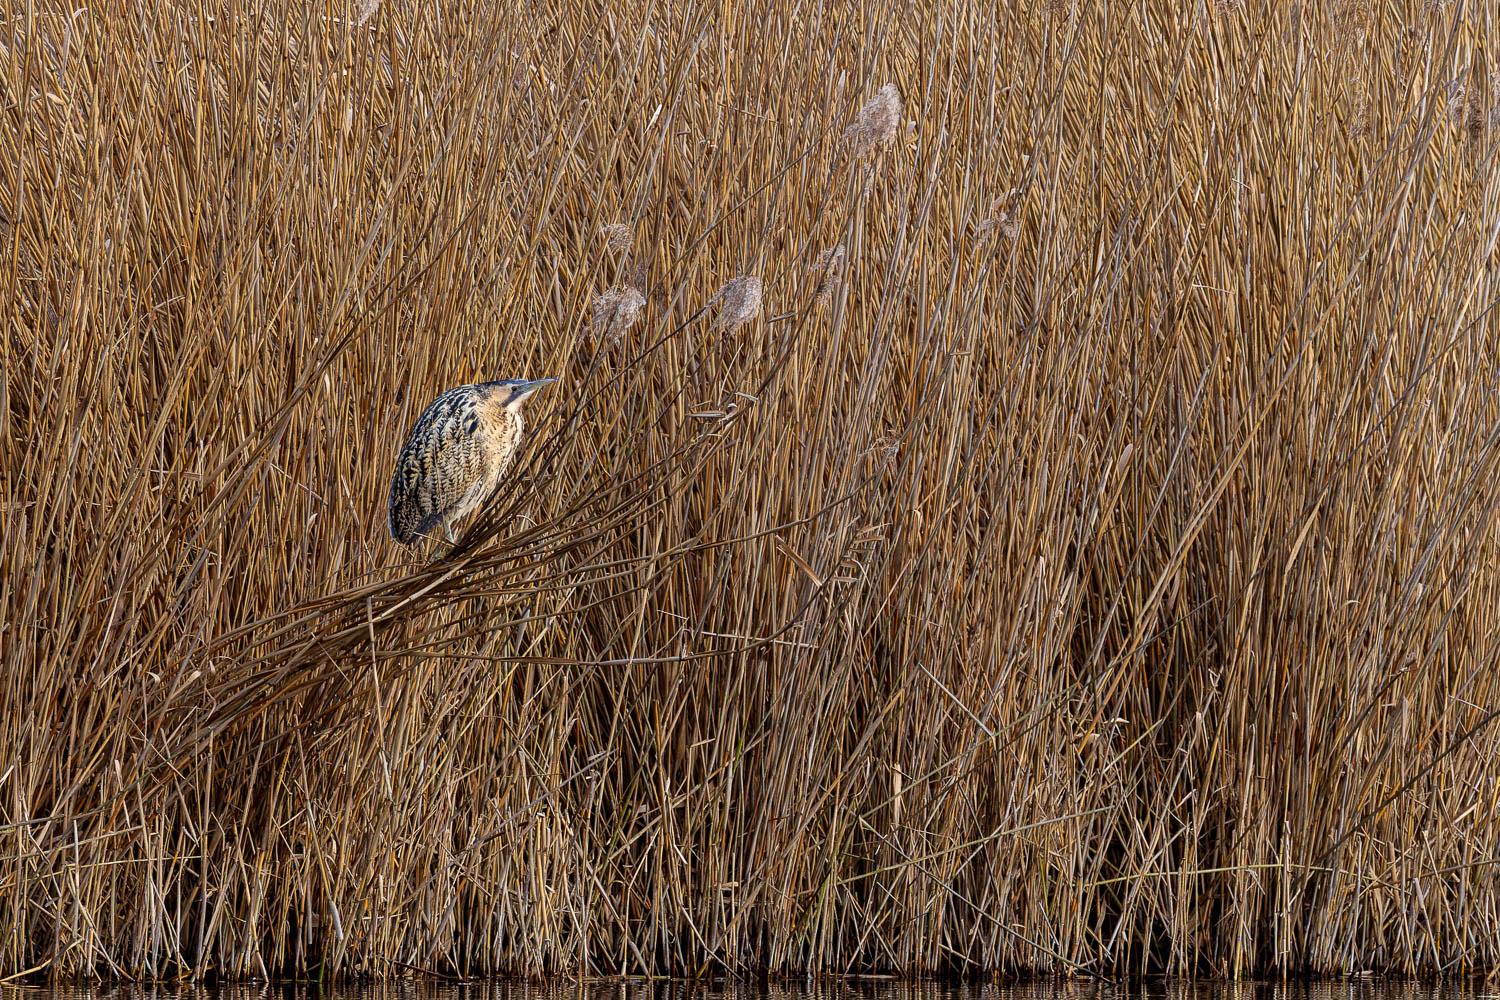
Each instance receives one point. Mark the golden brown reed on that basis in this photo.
(1114, 597)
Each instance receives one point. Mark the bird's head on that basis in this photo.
(512, 392)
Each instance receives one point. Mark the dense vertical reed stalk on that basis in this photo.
(1080, 555)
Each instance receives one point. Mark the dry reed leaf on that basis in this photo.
(615, 312)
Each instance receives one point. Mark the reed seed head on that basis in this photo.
(738, 300)
(1468, 113)
(1359, 122)
(884, 451)
(1004, 217)
(876, 124)
(366, 10)
(615, 312)
(618, 237)
(1351, 19)
(830, 264)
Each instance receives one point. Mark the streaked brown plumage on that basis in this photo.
(455, 455)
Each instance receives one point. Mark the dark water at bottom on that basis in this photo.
(859, 989)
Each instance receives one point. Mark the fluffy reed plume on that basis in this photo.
(885, 451)
(830, 267)
(877, 123)
(615, 312)
(1351, 19)
(1474, 117)
(1004, 218)
(738, 300)
(1125, 599)
(619, 237)
(365, 11)
(1357, 125)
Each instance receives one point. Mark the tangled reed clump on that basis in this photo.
(1116, 594)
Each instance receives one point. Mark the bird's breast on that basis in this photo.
(500, 435)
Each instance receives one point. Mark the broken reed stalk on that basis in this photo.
(1115, 595)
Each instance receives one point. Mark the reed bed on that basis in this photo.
(1021, 494)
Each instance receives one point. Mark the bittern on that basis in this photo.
(456, 454)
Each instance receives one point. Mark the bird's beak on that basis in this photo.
(525, 389)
